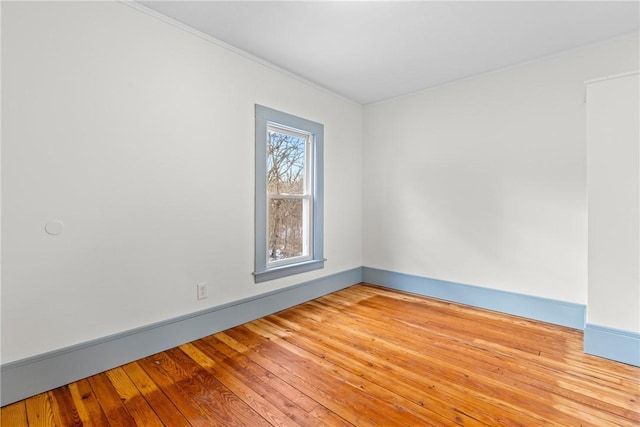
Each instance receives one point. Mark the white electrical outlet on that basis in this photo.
(203, 292)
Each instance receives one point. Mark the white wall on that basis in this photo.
(139, 137)
(613, 135)
(483, 181)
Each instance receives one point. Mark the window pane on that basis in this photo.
(286, 229)
(285, 163)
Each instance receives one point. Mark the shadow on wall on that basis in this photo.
(458, 219)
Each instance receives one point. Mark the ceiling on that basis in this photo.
(370, 51)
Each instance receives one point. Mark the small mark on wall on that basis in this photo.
(54, 228)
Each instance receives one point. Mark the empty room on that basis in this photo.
(320, 213)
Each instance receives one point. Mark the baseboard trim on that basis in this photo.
(30, 376)
(532, 307)
(610, 343)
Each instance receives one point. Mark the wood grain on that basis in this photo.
(87, 405)
(14, 414)
(39, 411)
(362, 356)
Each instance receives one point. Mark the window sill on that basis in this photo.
(288, 270)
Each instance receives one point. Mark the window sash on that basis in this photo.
(308, 172)
(307, 232)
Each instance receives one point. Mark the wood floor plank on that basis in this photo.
(285, 396)
(212, 392)
(389, 371)
(362, 396)
(534, 360)
(64, 410)
(187, 405)
(362, 356)
(631, 414)
(161, 404)
(456, 376)
(14, 414)
(510, 369)
(87, 405)
(399, 370)
(253, 372)
(286, 369)
(112, 406)
(240, 388)
(133, 400)
(39, 412)
(625, 372)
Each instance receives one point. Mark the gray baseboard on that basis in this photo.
(543, 309)
(28, 377)
(614, 344)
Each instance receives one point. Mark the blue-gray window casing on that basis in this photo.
(264, 117)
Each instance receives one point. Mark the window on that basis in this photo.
(288, 195)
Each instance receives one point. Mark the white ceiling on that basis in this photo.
(369, 51)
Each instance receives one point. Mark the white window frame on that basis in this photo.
(313, 133)
(306, 197)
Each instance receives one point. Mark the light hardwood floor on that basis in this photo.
(361, 356)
